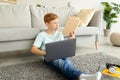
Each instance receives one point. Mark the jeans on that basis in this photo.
(66, 67)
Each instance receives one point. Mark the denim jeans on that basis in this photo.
(66, 67)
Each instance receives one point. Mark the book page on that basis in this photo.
(71, 24)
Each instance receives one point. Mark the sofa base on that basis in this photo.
(16, 45)
(82, 39)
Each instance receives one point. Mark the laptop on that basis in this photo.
(60, 49)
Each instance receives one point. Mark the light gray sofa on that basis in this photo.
(20, 24)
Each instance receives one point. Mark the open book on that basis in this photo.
(71, 25)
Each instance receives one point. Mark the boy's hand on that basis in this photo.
(43, 52)
(72, 35)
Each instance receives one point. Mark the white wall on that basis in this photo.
(76, 3)
(49, 3)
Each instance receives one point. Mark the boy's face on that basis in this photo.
(53, 24)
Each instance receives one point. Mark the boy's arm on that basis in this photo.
(35, 50)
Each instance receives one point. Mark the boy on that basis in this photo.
(63, 65)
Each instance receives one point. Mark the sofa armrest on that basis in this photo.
(97, 22)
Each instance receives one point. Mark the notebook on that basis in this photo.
(71, 25)
(60, 49)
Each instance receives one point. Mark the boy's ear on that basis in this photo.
(46, 23)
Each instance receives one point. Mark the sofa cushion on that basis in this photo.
(15, 16)
(38, 15)
(84, 30)
(12, 34)
(85, 16)
(87, 30)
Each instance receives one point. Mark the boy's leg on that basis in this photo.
(66, 68)
(68, 61)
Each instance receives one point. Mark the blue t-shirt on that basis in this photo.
(43, 38)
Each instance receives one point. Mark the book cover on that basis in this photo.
(71, 25)
(106, 72)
